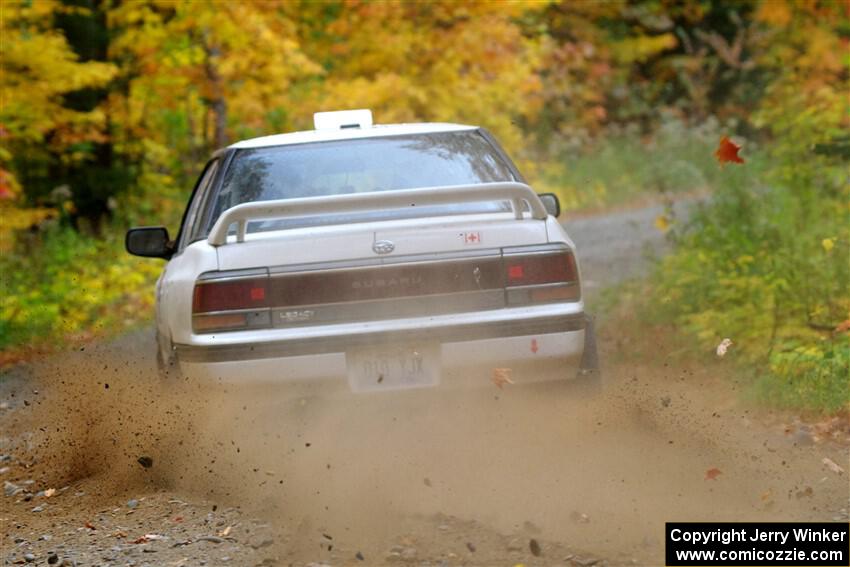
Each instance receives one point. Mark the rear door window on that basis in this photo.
(192, 225)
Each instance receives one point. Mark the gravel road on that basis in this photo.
(103, 464)
(618, 245)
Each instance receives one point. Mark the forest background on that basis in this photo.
(110, 108)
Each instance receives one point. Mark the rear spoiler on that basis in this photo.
(516, 193)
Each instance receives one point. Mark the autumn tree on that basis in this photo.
(426, 61)
(48, 130)
(208, 72)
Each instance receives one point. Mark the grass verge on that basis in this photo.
(61, 288)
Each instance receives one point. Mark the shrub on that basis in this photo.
(765, 263)
(62, 285)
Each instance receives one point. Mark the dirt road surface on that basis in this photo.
(104, 464)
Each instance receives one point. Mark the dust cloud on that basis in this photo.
(590, 474)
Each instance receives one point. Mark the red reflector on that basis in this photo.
(541, 269)
(515, 272)
(228, 295)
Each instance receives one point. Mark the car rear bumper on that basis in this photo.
(526, 346)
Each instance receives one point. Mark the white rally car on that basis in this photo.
(390, 256)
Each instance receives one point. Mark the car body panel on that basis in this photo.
(343, 242)
(463, 362)
(474, 328)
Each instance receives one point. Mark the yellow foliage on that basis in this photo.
(774, 12)
(440, 61)
(13, 218)
(244, 54)
(38, 67)
(642, 47)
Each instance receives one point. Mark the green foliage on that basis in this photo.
(624, 166)
(65, 286)
(813, 376)
(765, 263)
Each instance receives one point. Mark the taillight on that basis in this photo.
(230, 305)
(541, 276)
(541, 269)
(228, 295)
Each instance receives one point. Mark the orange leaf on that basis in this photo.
(90, 526)
(501, 376)
(712, 474)
(727, 151)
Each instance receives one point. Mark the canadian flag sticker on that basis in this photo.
(471, 237)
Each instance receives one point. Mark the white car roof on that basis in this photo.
(375, 131)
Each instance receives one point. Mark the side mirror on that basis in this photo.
(149, 241)
(551, 203)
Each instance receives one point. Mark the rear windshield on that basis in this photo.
(360, 166)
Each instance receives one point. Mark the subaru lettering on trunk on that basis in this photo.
(383, 256)
(390, 282)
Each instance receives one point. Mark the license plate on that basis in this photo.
(393, 367)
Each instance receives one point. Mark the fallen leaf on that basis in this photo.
(49, 492)
(501, 376)
(662, 223)
(178, 519)
(225, 532)
(723, 347)
(119, 534)
(149, 537)
(831, 427)
(806, 493)
(534, 547)
(843, 327)
(712, 474)
(831, 465)
(90, 526)
(727, 151)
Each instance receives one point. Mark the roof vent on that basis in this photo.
(342, 119)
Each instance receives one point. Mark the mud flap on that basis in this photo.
(168, 370)
(588, 371)
(589, 358)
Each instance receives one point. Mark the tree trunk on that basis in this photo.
(217, 103)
